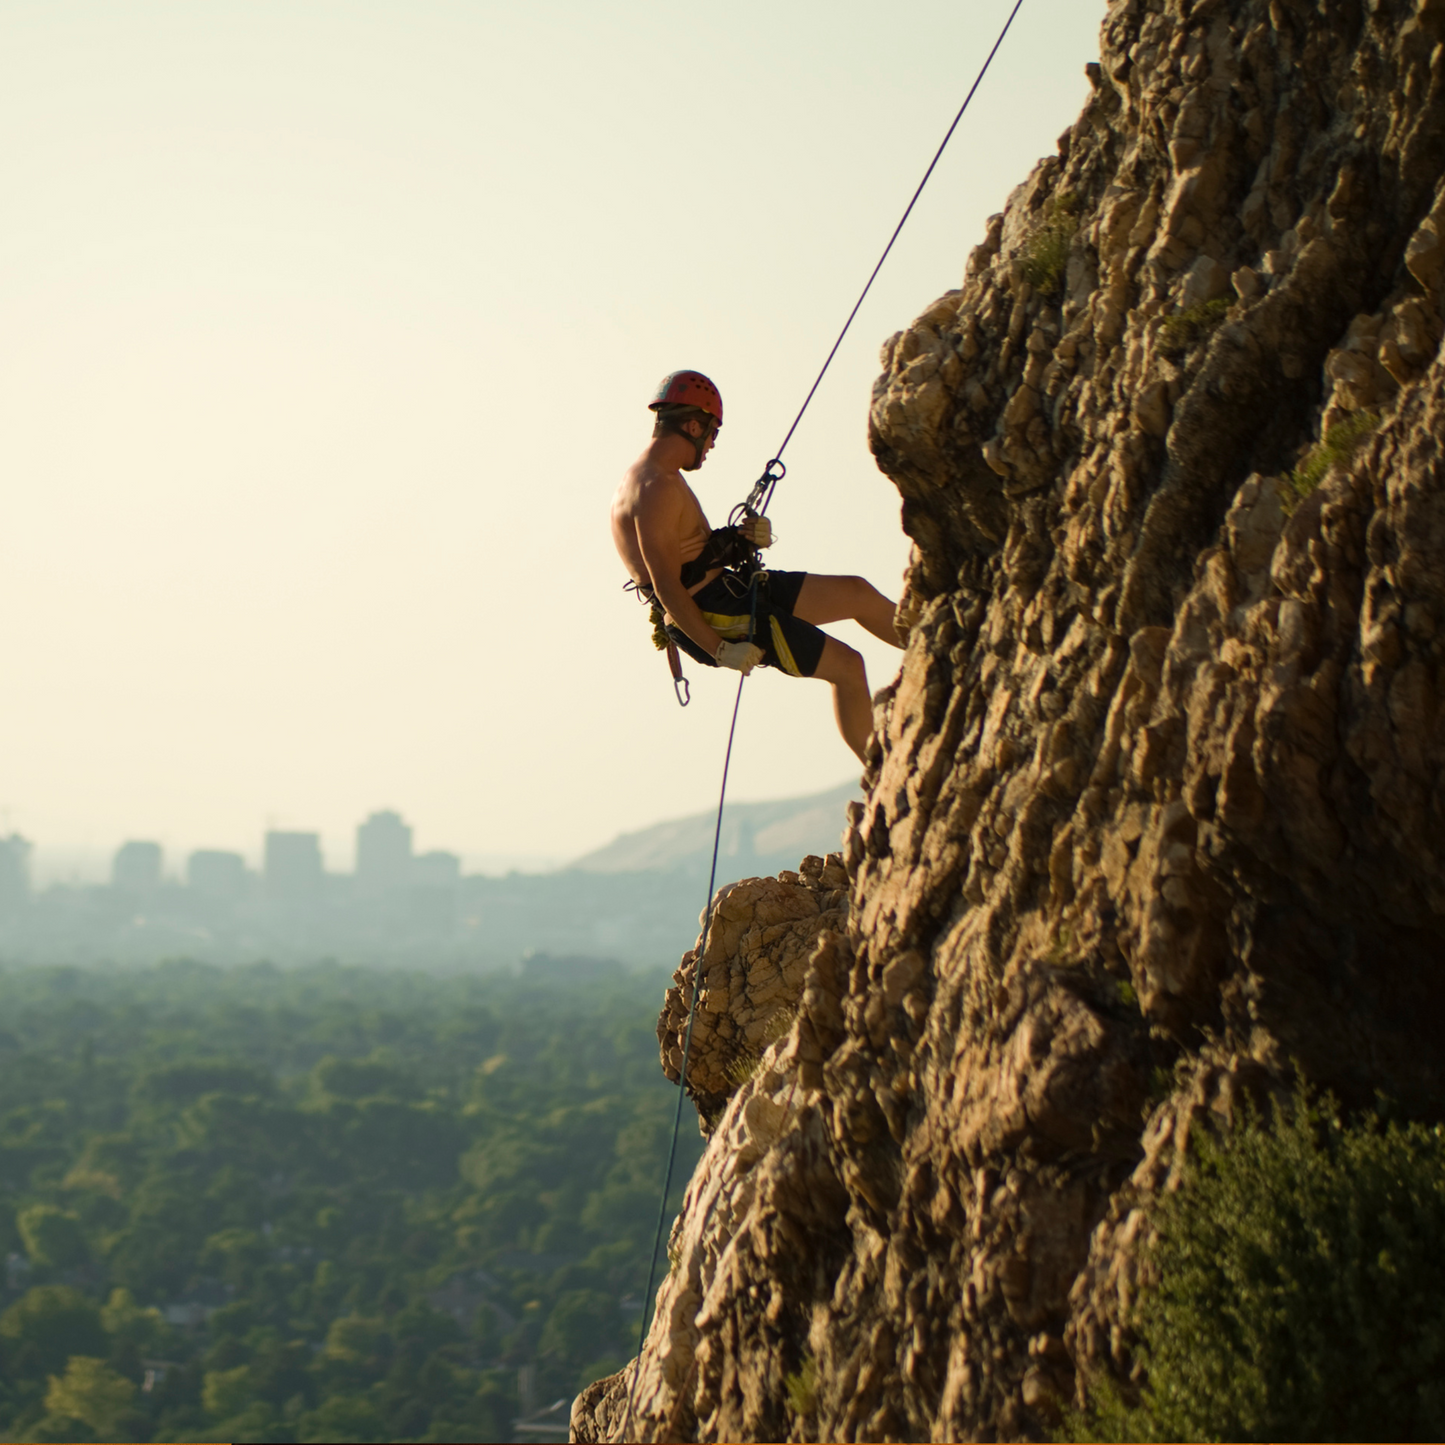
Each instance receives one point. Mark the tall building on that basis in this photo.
(137, 867)
(14, 871)
(436, 870)
(434, 880)
(383, 853)
(216, 874)
(293, 868)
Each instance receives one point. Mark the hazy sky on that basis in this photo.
(326, 330)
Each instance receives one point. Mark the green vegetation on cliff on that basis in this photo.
(327, 1204)
(1300, 1291)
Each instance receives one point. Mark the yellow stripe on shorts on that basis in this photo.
(784, 652)
(727, 626)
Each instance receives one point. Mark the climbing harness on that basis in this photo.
(725, 547)
(756, 504)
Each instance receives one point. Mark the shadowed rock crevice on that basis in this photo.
(1155, 810)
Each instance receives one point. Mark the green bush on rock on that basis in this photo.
(1190, 327)
(1300, 1293)
(1046, 252)
(1339, 445)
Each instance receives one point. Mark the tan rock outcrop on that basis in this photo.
(1155, 810)
(761, 934)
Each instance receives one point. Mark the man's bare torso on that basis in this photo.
(654, 508)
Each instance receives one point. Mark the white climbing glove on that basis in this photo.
(758, 531)
(740, 656)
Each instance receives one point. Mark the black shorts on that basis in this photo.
(789, 644)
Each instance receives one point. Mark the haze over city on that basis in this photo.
(631, 905)
(325, 334)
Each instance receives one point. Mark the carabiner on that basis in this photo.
(762, 488)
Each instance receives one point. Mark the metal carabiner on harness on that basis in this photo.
(660, 639)
(679, 682)
(762, 493)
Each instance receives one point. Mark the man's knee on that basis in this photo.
(864, 595)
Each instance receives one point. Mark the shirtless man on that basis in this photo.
(660, 532)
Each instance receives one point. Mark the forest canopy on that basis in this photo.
(320, 1204)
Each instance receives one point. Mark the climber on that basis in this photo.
(691, 572)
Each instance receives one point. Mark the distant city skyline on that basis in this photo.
(382, 856)
(51, 863)
(635, 901)
(47, 864)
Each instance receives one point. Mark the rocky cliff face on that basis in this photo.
(1156, 810)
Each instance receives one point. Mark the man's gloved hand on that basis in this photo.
(740, 656)
(757, 530)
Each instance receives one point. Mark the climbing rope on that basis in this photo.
(756, 504)
(686, 1049)
(762, 492)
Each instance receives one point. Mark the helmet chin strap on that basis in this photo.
(700, 443)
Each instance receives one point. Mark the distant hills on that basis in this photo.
(757, 838)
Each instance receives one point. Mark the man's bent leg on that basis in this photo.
(852, 702)
(837, 599)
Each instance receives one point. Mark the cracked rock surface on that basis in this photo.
(1155, 811)
(758, 943)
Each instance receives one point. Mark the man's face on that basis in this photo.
(708, 438)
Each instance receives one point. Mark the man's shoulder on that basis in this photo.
(651, 483)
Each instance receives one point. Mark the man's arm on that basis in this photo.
(659, 517)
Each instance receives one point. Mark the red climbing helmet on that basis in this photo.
(688, 388)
